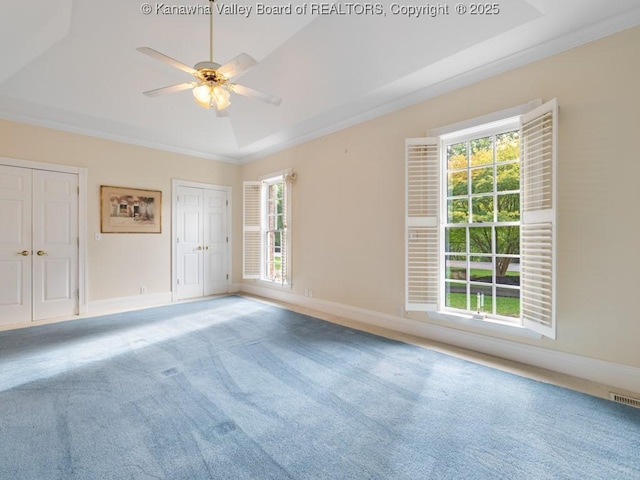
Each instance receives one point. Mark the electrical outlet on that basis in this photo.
(310, 293)
(400, 311)
(143, 290)
(306, 292)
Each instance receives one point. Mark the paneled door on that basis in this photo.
(38, 244)
(201, 243)
(15, 245)
(55, 244)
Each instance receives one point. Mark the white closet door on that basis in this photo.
(55, 244)
(202, 256)
(38, 244)
(215, 242)
(15, 245)
(190, 246)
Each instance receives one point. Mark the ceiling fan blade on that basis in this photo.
(173, 88)
(250, 92)
(238, 65)
(163, 58)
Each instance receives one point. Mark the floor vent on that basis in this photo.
(632, 402)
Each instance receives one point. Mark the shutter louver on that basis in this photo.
(421, 224)
(538, 231)
(251, 231)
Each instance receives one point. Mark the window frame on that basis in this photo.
(267, 211)
(492, 129)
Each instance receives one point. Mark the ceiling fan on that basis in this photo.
(212, 87)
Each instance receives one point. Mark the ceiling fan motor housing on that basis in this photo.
(208, 71)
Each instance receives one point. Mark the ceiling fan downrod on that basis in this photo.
(211, 30)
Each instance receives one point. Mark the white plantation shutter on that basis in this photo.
(422, 255)
(284, 249)
(251, 230)
(538, 222)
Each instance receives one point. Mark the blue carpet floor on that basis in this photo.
(231, 388)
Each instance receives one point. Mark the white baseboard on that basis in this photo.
(121, 304)
(600, 371)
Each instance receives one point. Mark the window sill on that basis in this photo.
(269, 283)
(485, 324)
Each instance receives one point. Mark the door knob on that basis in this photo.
(24, 253)
(41, 253)
(199, 248)
(207, 247)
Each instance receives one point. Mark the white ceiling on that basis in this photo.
(73, 65)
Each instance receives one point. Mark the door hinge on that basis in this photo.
(177, 281)
(78, 190)
(178, 198)
(178, 240)
(227, 239)
(78, 293)
(227, 276)
(227, 202)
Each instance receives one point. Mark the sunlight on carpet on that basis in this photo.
(67, 346)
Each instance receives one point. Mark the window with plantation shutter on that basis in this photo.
(266, 228)
(538, 229)
(480, 222)
(421, 224)
(251, 230)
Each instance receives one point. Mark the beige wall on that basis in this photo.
(348, 206)
(119, 264)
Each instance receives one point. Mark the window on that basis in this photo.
(274, 230)
(266, 229)
(481, 225)
(480, 221)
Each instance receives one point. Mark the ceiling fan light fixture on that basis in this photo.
(221, 95)
(202, 95)
(210, 95)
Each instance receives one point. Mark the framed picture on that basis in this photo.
(130, 210)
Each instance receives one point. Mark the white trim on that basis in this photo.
(271, 177)
(114, 137)
(123, 304)
(52, 167)
(82, 173)
(595, 370)
(481, 130)
(485, 323)
(175, 183)
(82, 240)
(490, 121)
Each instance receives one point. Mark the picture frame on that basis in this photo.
(130, 210)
